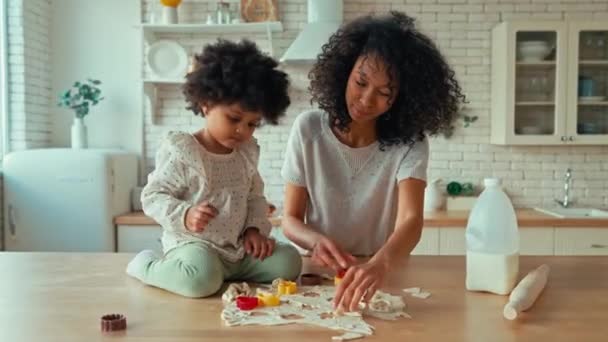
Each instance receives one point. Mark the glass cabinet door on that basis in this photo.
(535, 110)
(589, 82)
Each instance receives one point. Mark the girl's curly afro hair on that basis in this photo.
(228, 72)
(429, 96)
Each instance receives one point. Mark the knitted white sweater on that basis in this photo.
(186, 174)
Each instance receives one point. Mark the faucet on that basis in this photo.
(565, 203)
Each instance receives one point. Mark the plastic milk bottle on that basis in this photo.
(492, 242)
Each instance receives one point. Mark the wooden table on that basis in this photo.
(61, 296)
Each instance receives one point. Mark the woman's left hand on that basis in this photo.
(360, 281)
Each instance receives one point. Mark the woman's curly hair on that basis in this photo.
(229, 72)
(429, 96)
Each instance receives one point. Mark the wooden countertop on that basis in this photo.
(61, 296)
(525, 218)
(139, 218)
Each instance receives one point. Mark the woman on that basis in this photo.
(355, 171)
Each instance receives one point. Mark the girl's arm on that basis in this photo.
(324, 251)
(162, 196)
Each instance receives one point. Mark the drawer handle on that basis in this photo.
(598, 246)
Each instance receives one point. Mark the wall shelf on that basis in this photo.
(593, 103)
(163, 81)
(152, 32)
(535, 103)
(262, 27)
(539, 63)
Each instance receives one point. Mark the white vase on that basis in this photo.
(434, 198)
(79, 134)
(169, 15)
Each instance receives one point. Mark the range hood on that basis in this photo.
(324, 19)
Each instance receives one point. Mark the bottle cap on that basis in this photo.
(491, 182)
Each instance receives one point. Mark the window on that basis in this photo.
(3, 77)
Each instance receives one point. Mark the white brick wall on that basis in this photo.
(29, 73)
(461, 28)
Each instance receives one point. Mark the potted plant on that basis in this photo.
(80, 98)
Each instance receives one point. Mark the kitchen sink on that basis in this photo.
(589, 213)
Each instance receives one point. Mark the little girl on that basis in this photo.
(206, 191)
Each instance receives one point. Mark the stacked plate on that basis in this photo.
(167, 59)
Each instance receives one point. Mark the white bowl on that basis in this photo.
(533, 50)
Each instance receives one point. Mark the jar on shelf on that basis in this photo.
(223, 12)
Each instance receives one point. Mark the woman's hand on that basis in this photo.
(359, 282)
(257, 245)
(327, 253)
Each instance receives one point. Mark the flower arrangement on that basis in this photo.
(81, 97)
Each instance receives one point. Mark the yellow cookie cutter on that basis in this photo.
(286, 287)
(268, 299)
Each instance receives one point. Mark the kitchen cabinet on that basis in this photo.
(581, 241)
(429, 242)
(131, 238)
(549, 83)
(136, 238)
(451, 241)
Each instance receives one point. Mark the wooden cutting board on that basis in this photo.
(259, 10)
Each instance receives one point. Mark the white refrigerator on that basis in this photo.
(66, 199)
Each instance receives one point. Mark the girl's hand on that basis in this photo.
(326, 253)
(198, 216)
(360, 281)
(257, 244)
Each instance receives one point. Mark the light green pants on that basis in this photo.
(195, 270)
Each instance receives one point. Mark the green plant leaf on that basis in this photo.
(85, 90)
(76, 98)
(81, 96)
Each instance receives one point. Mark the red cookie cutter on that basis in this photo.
(246, 303)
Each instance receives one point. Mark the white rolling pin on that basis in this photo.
(525, 293)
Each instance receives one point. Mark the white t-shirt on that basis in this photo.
(186, 174)
(352, 191)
